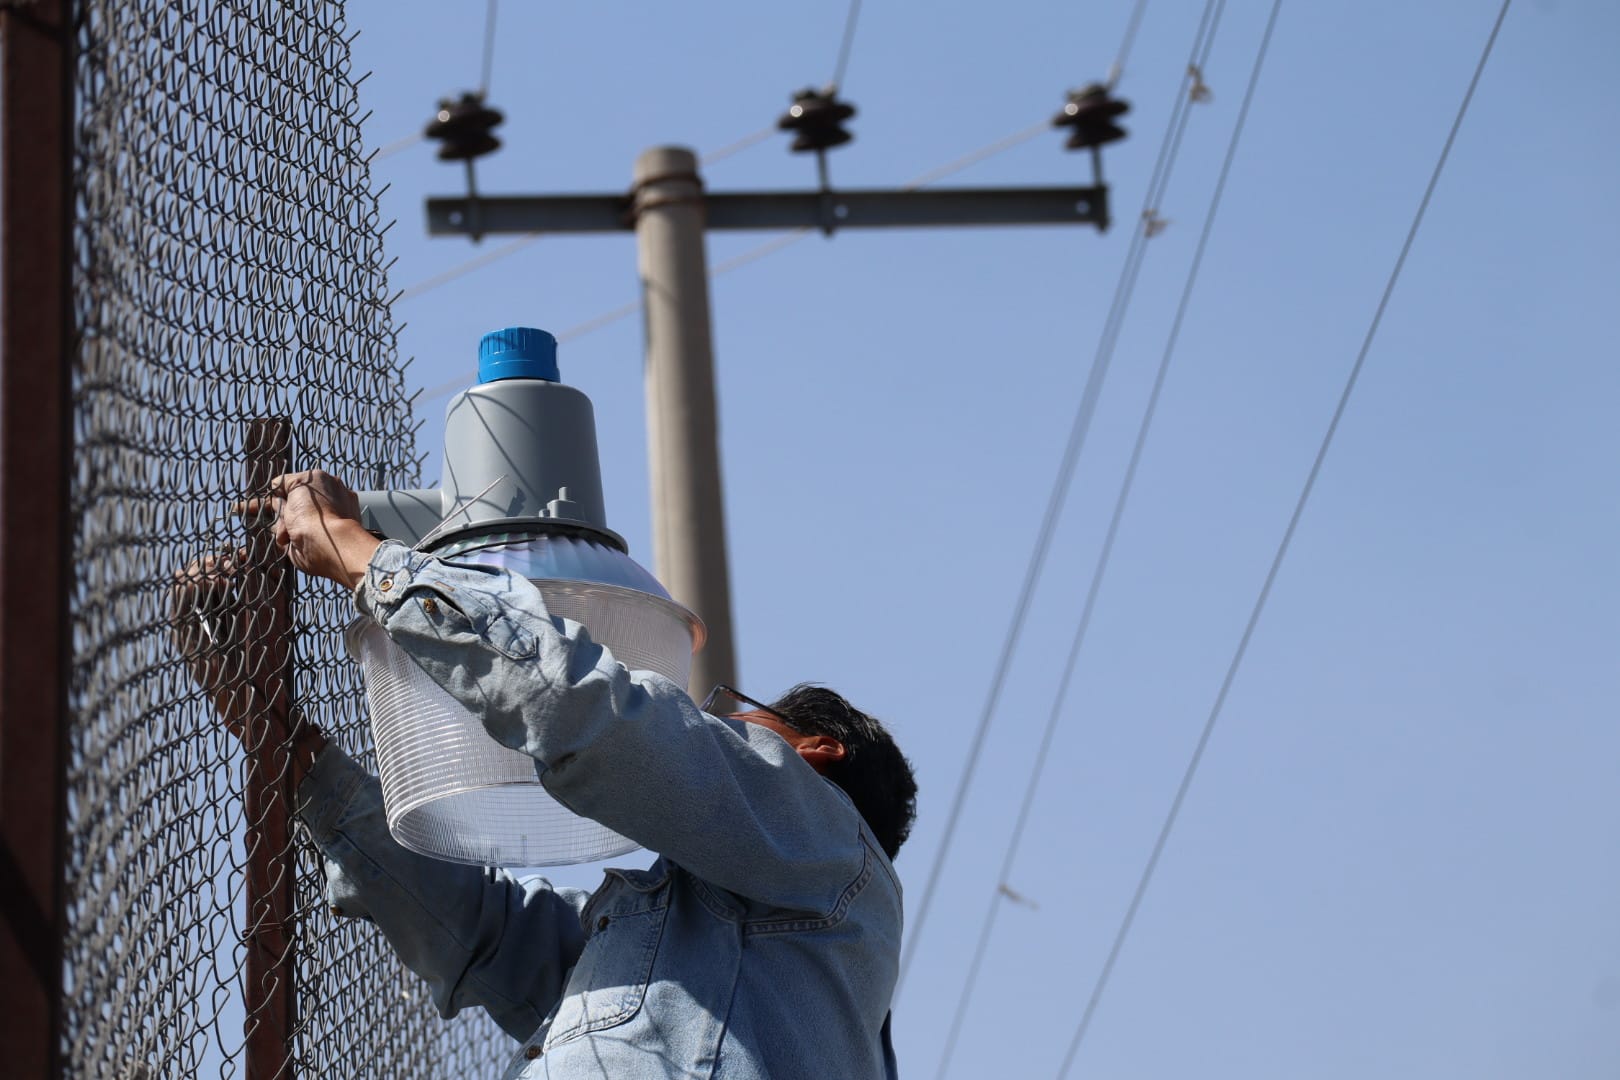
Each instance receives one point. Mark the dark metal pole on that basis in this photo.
(36, 441)
(267, 788)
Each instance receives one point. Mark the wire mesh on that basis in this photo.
(228, 267)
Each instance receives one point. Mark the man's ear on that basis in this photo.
(821, 751)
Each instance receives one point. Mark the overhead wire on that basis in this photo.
(752, 139)
(477, 262)
(1125, 287)
(1100, 570)
(844, 47)
(405, 142)
(1132, 25)
(489, 49)
(1123, 931)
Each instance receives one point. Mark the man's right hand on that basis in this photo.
(208, 628)
(230, 659)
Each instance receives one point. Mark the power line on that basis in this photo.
(1282, 551)
(387, 150)
(477, 262)
(1059, 699)
(752, 255)
(843, 49)
(753, 138)
(1132, 25)
(1169, 148)
(489, 49)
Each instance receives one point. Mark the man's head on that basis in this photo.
(852, 750)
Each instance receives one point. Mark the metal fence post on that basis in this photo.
(267, 787)
(36, 445)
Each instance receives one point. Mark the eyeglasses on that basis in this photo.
(722, 693)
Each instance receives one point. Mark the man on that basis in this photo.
(763, 942)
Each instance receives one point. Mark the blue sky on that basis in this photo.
(1399, 857)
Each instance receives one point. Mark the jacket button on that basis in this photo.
(385, 584)
(430, 607)
(532, 1052)
(602, 923)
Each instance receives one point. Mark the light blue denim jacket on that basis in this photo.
(763, 942)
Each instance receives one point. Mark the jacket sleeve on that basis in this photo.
(729, 801)
(477, 937)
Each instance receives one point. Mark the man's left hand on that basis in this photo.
(318, 525)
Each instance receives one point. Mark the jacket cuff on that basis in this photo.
(328, 788)
(387, 578)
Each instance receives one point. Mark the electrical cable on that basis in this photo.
(489, 49)
(1104, 556)
(843, 49)
(1132, 25)
(753, 138)
(483, 259)
(754, 254)
(1282, 551)
(388, 150)
(1169, 148)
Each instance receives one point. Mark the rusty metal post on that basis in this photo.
(36, 444)
(267, 788)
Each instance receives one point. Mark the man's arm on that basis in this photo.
(476, 937)
(727, 800)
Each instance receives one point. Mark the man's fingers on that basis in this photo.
(314, 479)
(287, 481)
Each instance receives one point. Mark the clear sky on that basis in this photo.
(1400, 856)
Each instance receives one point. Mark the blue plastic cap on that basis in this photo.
(518, 352)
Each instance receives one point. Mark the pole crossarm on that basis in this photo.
(780, 210)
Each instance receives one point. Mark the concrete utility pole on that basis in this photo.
(670, 212)
(688, 509)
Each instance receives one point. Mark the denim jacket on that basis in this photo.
(763, 942)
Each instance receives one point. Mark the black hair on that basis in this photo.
(873, 773)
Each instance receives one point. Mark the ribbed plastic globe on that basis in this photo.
(454, 793)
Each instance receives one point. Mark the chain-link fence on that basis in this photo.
(228, 267)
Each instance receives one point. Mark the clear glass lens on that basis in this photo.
(454, 793)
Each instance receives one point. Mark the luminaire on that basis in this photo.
(522, 490)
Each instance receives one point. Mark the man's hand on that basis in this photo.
(205, 619)
(318, 525)
(232, 662)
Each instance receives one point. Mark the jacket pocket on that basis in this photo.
(625, 920)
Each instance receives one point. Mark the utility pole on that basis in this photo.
(670, 212)
(688, 508)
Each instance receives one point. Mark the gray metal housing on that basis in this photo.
(519, 454)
